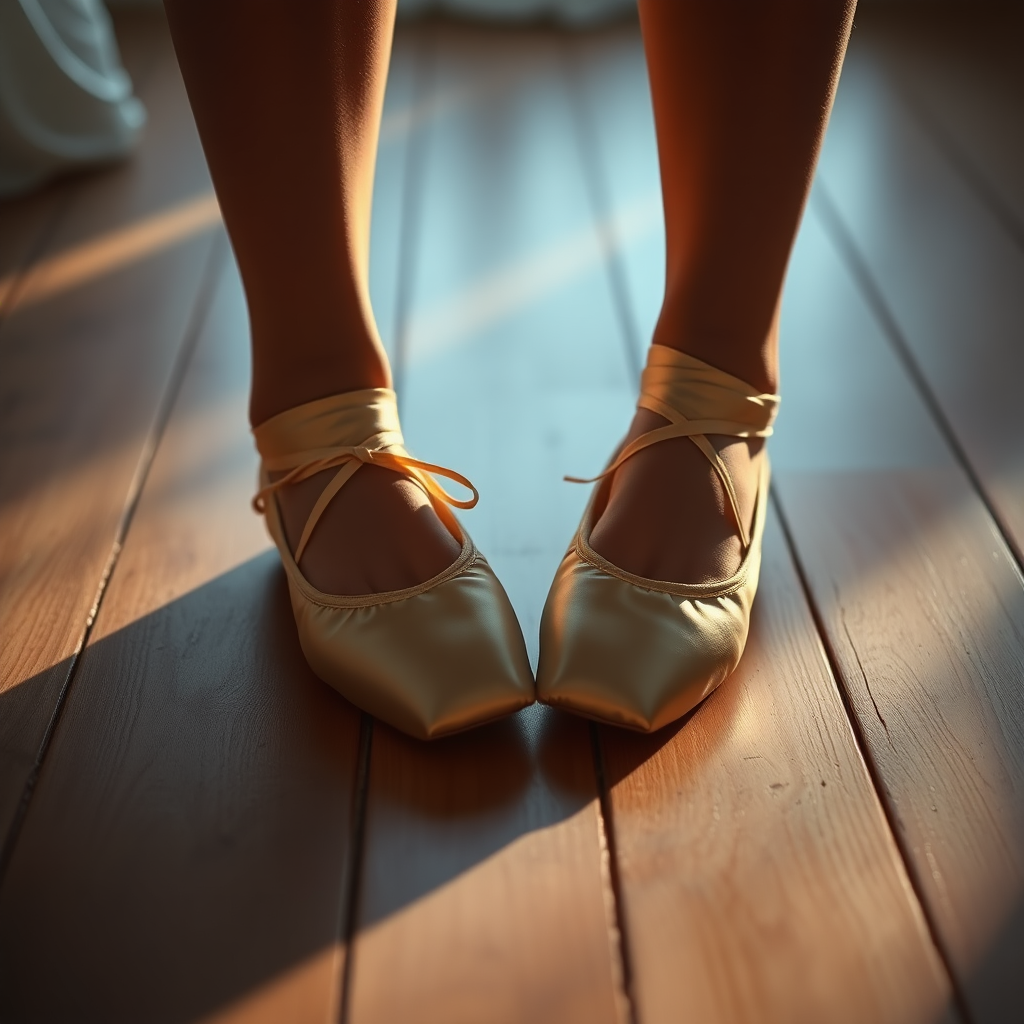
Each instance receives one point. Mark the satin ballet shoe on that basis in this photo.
(637, 652)
(430, 660)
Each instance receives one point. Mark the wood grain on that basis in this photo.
(202, 779)
(925, 614)
(946, 268)
(23, 224)
(742, 901)
(759, 879)
(485, 887)
(959, 68)
(82, 371)
(921, 600)
(187, 850)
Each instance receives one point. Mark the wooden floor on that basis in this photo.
(198, 829)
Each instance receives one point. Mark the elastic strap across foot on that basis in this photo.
(697, 399)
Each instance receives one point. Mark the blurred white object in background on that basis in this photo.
(65, 99)
(569, 12)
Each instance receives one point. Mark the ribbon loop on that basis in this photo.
(382, 448)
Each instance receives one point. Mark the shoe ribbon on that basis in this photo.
(374, 451)
(674, 384)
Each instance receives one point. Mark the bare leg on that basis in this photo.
(741, 95)
(288, 96)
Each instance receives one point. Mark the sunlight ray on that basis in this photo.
(521, 282)
(98, 256)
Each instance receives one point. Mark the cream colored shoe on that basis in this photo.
(431, 659)
(641, 653)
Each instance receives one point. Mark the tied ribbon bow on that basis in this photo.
(348, 459)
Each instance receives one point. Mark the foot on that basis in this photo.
(379, 533)
(667, 516)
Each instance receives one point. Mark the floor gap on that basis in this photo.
(211, 276)
(607, 824)
(350, 924)
(874, 774)
(854, 260)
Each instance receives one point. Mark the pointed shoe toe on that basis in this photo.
(626, 653)
(641, 653)
(431, 659)
(430, 663)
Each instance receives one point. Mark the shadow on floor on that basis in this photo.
(191, 835)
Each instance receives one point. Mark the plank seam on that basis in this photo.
(165, 406)
(857, 265)
(607, 824)
(959, 159)
(874, 774)
(361, 789)
(599, 194)
(864, 675)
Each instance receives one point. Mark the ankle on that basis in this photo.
(751, 356)
(293, 378)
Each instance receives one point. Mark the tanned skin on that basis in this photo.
(288, 100)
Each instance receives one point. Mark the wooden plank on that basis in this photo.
(960, 69)
(923, 608)
(759, 880)
(609, 82)
(946, 268)
(186, 851)
(486, 888)
(925, 616)
(751, 891)
(920, 597)
(195, 818)
(86, 351)
(485, 885)
(517, 372)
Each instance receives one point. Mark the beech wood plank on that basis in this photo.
(485, 894)
(186, 851)
(921, 599)
(925, 616)
(758, 877)
(959, 67)
(194, 822)
(923, 607)
(947, 268)
(86, 351)
(516, 371)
